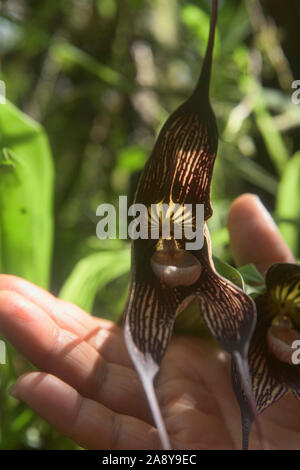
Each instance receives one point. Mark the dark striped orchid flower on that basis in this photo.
(165, 275)
(273, 355)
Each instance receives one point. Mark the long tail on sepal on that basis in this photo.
(147, 369)
(246, 415)
(202, 87)
(230, 314)
(242, 385)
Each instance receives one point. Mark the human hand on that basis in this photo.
(88, 389)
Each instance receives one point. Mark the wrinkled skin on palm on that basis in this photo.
(278, 326)
(179, 171)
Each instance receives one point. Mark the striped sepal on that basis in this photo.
(229, 313)
(265, 370)
(181, 165)
(272, 378)
(151, 310)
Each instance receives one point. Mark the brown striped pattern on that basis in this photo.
(227, 311)
(181, 165)
(272, 378)
(151, 309)
(178, 171)
(267, 387)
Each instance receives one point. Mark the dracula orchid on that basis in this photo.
(273, 353)
(165, 275)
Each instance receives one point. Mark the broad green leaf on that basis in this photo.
(93, 273)
(26, 185)
(254, 291)
(229, 272)
(288, 203)
(250, 274)
(254, 282)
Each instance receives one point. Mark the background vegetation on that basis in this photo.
(100, 77)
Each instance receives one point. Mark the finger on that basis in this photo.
(60, 352)
(111, 346)
(67, 315)
(254, 236)
(90, 424)
(104, 335)
(197, 409)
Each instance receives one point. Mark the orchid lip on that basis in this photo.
(176, 267)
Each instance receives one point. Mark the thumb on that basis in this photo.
(254, 236)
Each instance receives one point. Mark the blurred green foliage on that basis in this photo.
(101, 76)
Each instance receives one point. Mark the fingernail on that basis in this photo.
(12, 392)
(265, 213)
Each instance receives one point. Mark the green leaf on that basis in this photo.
(67, 54)
(288, 203)
(250, 274)
(229, 272)
(198, 21)
(26, 185)
(272, 138)
(5, 160)
(22, 420)
(107, 8)
(132, 159)
(93, 273)
(189, 322)
(235, 29)
(219, 237)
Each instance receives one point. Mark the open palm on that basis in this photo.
(88, 389)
